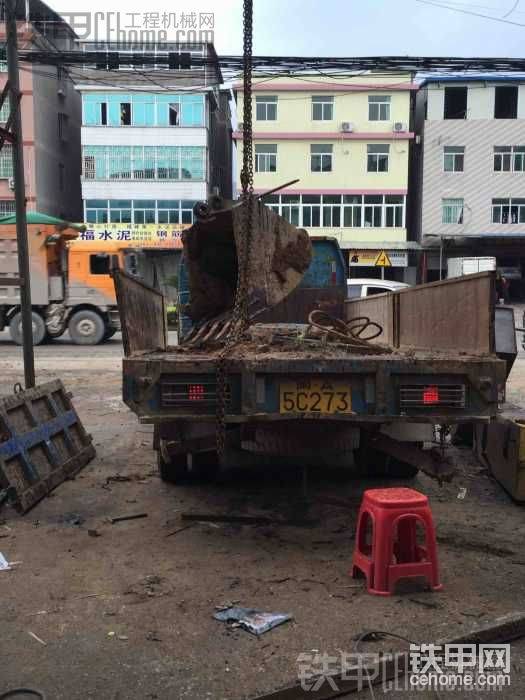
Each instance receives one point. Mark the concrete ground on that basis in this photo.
(127, 614)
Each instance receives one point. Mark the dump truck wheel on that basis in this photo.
(205, 465)
(174, 471)
(109, 333)
(86, 327)
(39, 328)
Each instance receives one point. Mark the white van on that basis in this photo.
(361, 287)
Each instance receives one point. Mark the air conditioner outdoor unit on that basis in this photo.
(400, 126)
(11, 183)
(347, 127)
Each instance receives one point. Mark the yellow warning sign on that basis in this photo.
(383, 260)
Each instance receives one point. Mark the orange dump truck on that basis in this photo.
(71, 288)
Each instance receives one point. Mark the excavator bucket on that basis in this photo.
(278, 256)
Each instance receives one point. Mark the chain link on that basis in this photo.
(239, 319)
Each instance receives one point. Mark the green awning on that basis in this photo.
(36, 217)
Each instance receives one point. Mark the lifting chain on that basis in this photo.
(239, 320)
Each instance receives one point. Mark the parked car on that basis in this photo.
(361, 287)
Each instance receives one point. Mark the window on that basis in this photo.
(373, 209)
(4, 112)
(453, 159)
(266, 108)
(455, 103)
(508, 211)
(99, 264)
(331, 210)
(377, 161)
(3, 64)
(96, 211)
(352, 209)
(6, 161)
(139, 211)
(452, 211)
(370, 291)
(290, 208)
(125, 113)
(379, 108)
(509, 158)
(506, 102)
(143, 211)
(265, 157)
(311, 210)
(321, 158)
(120, 211)
(144, 162)
(142, 109)
(173, 113)
(322, 108)
(335, 210)
(394, 209)
(7, 206)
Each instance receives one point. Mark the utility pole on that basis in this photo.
(20, 193)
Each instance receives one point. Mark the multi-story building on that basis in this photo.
(155, 142)
(50, 111)
(470, 170)
(347, 140)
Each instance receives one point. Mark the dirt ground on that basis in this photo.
(127, 614)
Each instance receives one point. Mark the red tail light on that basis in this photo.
(196, 392)
(430, 395)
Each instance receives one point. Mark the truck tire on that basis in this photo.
(86, 327)
(39, 328)
(109, 333)
(174, 471)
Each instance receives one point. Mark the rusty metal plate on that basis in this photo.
(42, 443)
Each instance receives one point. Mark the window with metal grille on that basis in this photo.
(377, 157)
(7, 206)
(144, 162)
(378, 108)
(265, 157)
(4, 112)
(6, 161)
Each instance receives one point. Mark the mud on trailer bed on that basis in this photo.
(297, 399)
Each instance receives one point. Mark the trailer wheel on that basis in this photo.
(39, 328)
(174, 471)
(86, 327)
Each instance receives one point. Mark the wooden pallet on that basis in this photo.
(42, 443)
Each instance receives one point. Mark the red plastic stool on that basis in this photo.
(394, 553)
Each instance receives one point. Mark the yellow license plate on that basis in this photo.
(315, 397)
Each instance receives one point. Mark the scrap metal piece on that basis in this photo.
(279, 255)
(42, 443)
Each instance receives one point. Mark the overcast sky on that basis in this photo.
(340, 27)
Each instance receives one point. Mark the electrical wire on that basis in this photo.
(470, 12)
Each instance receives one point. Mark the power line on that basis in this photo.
(431, 3)
(512, 9)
